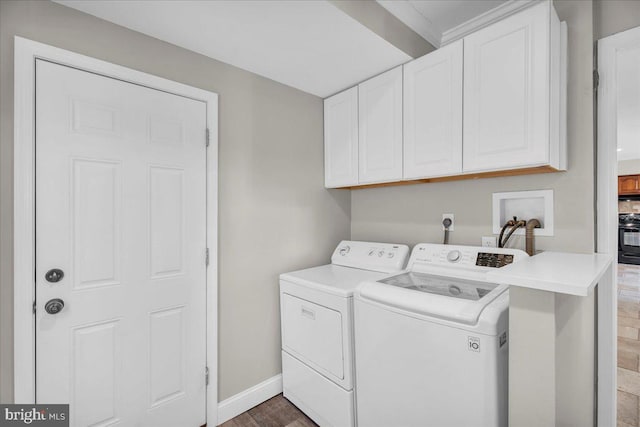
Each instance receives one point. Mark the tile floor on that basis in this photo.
(275, 412)
(628, 345)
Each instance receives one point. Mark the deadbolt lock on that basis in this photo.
(54, 275)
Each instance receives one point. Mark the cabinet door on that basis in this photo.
(506, 93)
(341, 139)
(433, 114)
(629, 184)
(380, 117)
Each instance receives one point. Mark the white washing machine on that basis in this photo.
(431, 345)
(316, 308)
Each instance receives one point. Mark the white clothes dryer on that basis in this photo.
(431, 345)
(317, 328)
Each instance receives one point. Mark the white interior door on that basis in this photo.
(121, 210)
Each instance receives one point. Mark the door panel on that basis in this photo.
(380, 134)
(433, 114)
(506, 93)
(341, 139)
(629, 184)
(94, 391)
(166, 221)
(97, 211)
(166, 364)
(121, 209)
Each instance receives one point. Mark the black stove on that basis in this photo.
(629, 238)
(630, 220)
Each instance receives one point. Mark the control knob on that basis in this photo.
(454, 256)
(345, 250)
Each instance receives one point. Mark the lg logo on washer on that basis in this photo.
(474, 344)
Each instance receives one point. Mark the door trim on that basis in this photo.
(26, 53)
(607, 218)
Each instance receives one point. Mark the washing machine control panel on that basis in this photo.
(468, 257)
(385, 257)
(488, 259)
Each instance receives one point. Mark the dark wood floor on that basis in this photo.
(275, 412)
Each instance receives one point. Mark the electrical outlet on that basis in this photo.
(450, 216)
(490, 241)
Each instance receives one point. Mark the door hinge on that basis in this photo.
(207, 137)
(596, 80)
(206, 257)
(206, 375)
(34, 306)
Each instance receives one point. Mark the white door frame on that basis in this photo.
(26, 53)
(607, 218)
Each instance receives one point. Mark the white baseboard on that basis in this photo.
(247, 399)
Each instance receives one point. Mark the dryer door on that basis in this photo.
(313, 333)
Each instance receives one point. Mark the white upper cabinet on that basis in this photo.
(380, 120)
(341, 139)
(433, 114)
(494, 101)
(511, 93)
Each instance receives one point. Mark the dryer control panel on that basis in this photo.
(383, 257)
(463, 257)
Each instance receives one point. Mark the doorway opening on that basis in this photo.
(618, 213)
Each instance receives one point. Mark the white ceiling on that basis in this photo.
(629, 104)
(310, 45)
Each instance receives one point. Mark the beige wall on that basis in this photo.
(272, 200)
(614, 16)
(413, 213)
(532, 391)
(629, 167)
(551, 359)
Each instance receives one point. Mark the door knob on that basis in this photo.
(54, 275)
(54, 306)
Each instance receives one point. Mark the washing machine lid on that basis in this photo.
(438, 285)
(454, 299)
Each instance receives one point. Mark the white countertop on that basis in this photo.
(561, 272)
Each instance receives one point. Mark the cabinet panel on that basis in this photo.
(341, 139)
(433, 114)
(506, 93)
(629, 184)
(380, 128)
